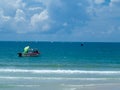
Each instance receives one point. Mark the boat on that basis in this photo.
(32, 53)
(29, 52)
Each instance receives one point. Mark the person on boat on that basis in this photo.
(26, 49)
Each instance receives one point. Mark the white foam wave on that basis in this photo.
(56, 78)
(92, 85)
(58, 71)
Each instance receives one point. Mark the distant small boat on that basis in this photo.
(82, 44)
(30, 53)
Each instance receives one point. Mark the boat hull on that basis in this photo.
(28, 54)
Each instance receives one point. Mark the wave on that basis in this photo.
(58, 71)
(93, 84)
(56, 78)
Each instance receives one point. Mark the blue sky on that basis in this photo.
(60, 20)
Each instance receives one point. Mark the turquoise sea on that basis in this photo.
(60, 66)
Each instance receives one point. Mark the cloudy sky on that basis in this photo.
(60, 20)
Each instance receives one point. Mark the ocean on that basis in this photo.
(60, 66)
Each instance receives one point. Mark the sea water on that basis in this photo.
(60, 66)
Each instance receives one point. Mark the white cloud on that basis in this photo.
(99, 1)
(35, 8)
(18, 4)
(51, 2)
(3, 18)
(12, 4)
(22, 17)
(37, 18)
(41, 22)
(19, 15)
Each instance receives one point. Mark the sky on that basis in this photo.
(60, 20)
